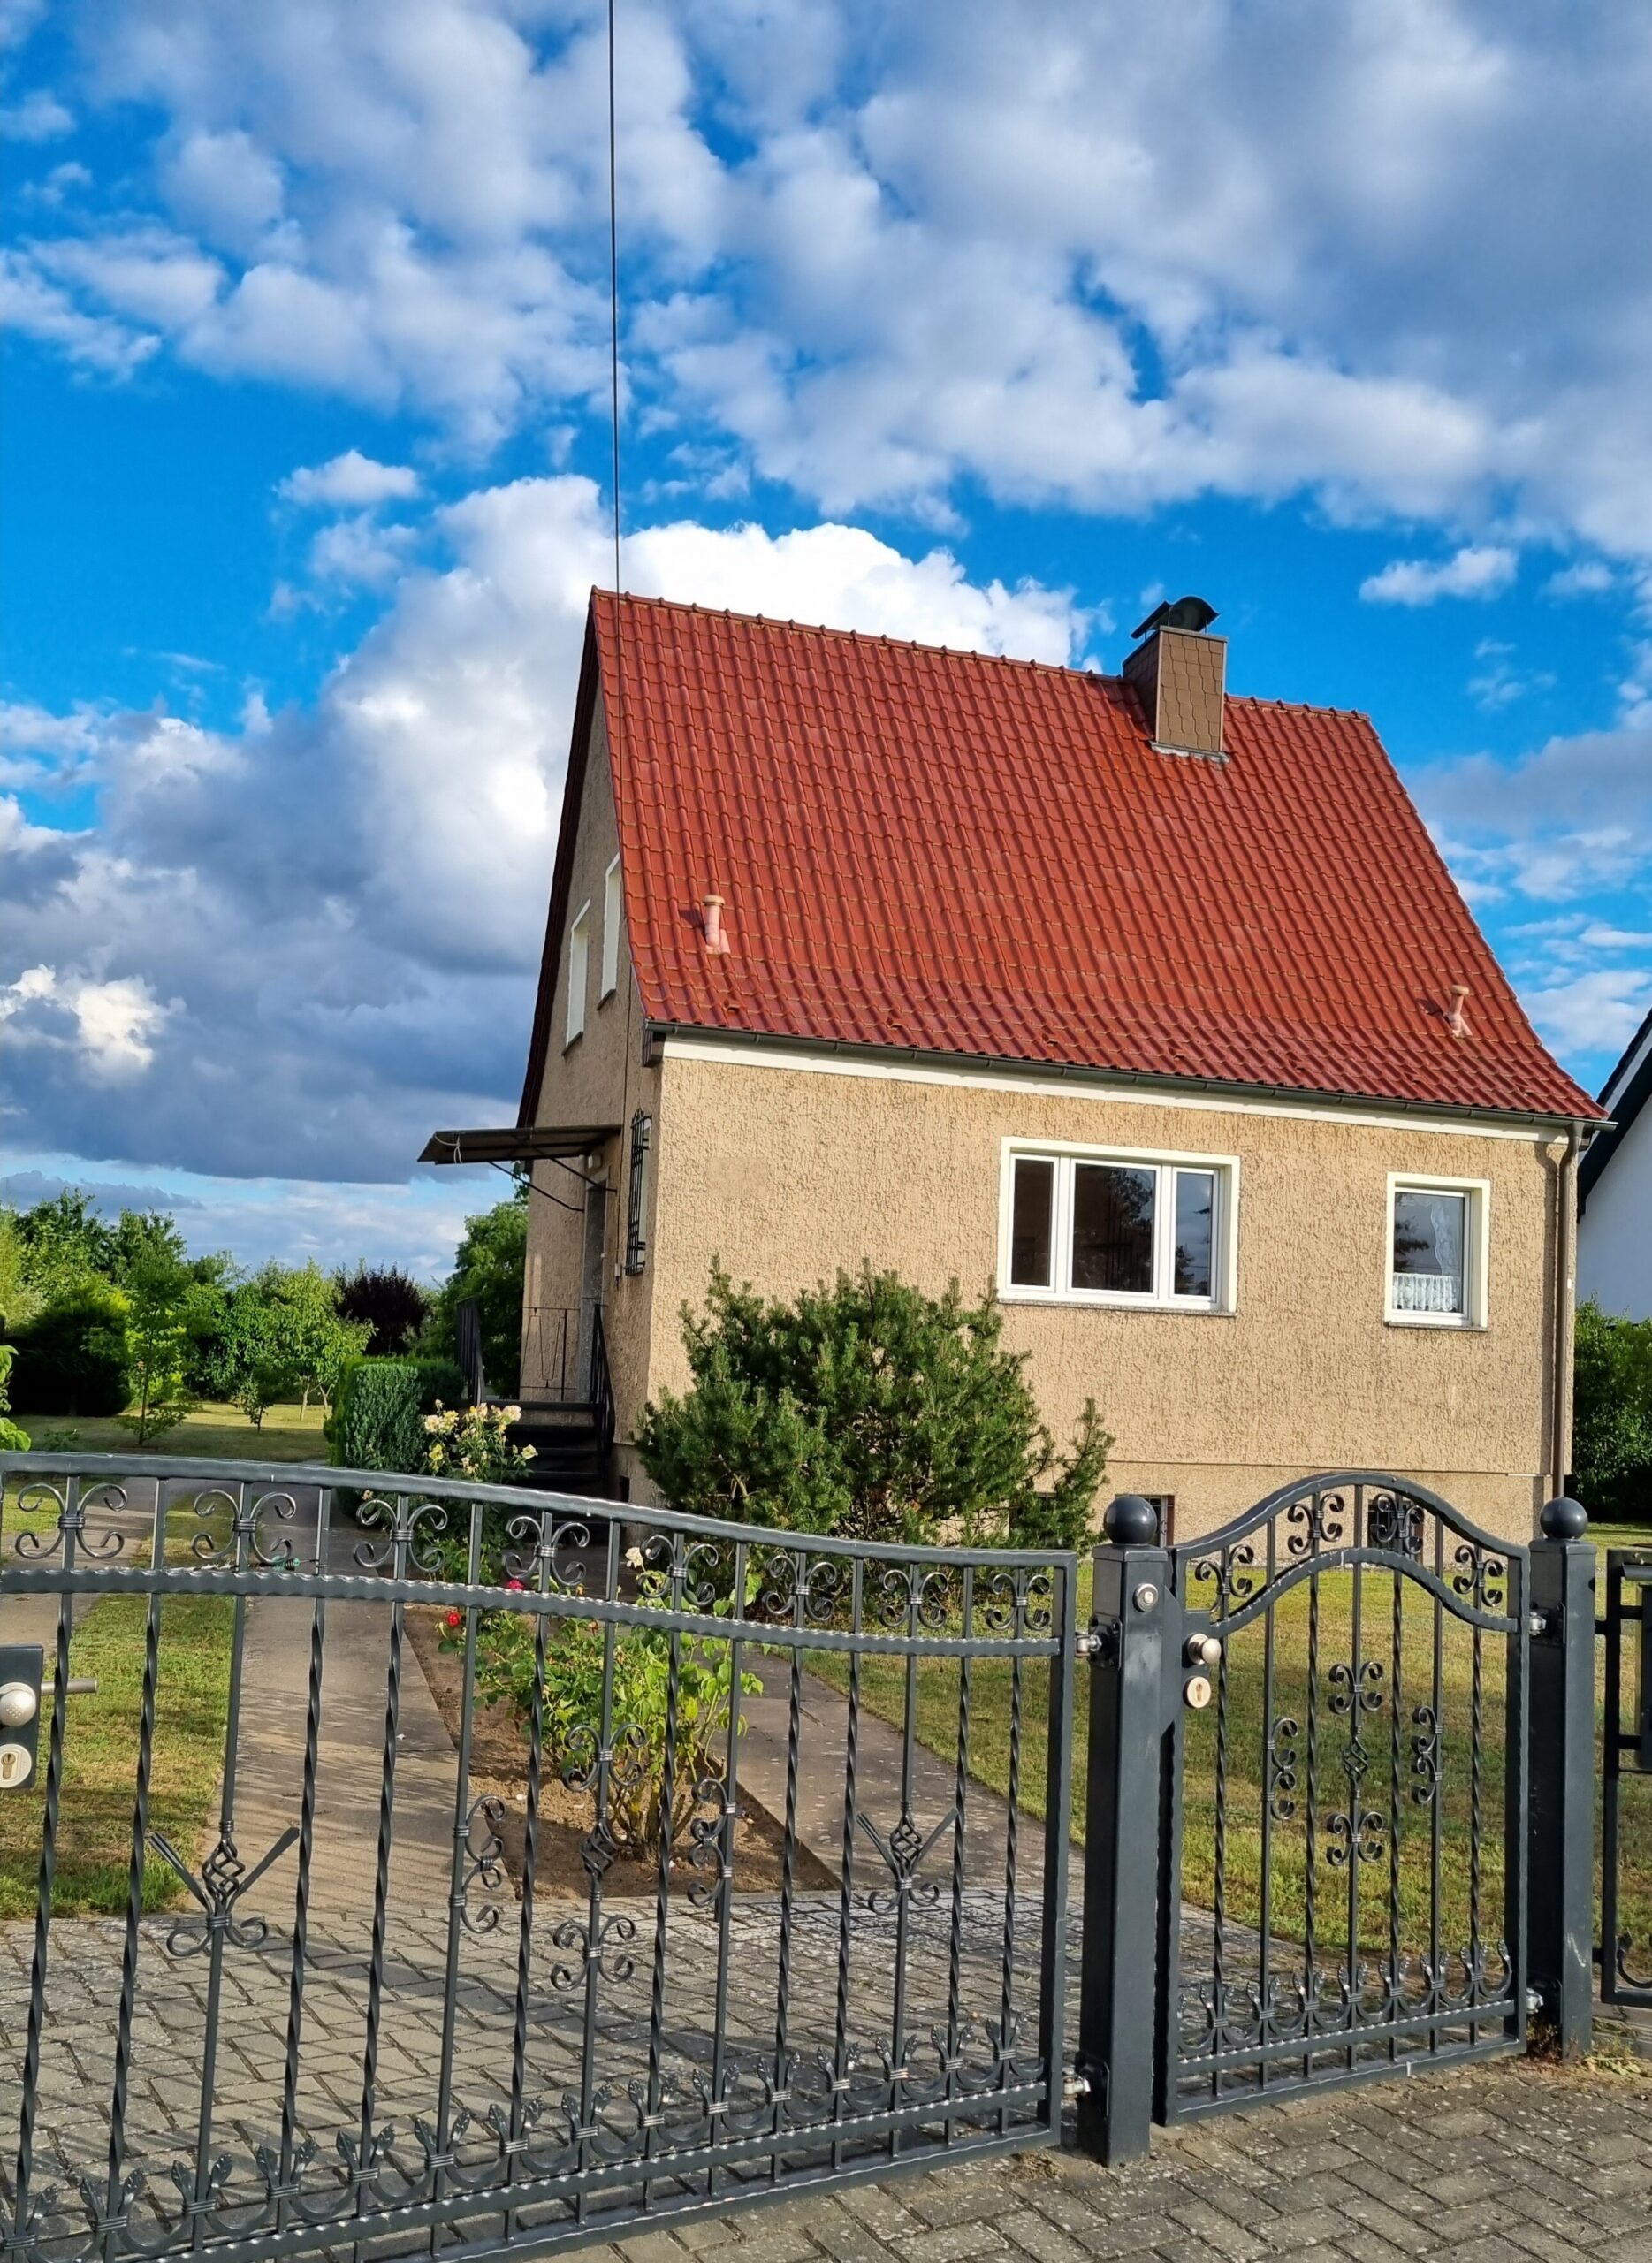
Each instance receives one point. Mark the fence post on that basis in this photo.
(1136, 1617)
(1560, 1869)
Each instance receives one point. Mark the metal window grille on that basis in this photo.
(636, 1209)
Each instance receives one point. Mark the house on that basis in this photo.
(1615, 1191)
(1152, 1007)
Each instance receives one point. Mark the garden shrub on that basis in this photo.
(72, 1356)
(378, 1418)
(573, 1710)
(866, 1408)
(1611, 1423)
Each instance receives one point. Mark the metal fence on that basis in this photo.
(441, 1867)
(400, 2003)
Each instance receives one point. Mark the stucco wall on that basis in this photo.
(1615, 1231)
(599, 1079)
(785, 1174)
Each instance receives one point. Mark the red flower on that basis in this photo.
(514, 1587)
(455, 1619)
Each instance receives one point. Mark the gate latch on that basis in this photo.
(22, 1682)
(22, 1665)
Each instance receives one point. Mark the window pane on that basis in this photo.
(1195, 1229)
(1430, 1234)
(1030, 1229)
(1113, 1209)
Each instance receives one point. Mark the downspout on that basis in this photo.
(1566, 1286)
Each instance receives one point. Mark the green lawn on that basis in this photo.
(1240, 1750)
(93, 1842)
(220, 1432)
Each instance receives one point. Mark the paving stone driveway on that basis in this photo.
(1493, 2164)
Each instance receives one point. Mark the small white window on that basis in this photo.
(610, 932)
(1112, 1228)
(1437, 1250)
(578, 970)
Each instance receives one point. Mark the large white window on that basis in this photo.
(1437, 1251)
(578, 970)
(1110, 1226)
(611, 900)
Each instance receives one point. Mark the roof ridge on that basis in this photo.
(852, 636)
(944, 652)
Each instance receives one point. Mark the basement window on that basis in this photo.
(578, 972)
(1115, 1227)
(1437, 1249)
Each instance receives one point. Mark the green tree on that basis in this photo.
(20, 1300)
(141, 1238)
(71, 1354)
(394, 1306)
(1611, 1421)
(13, 1438)
(866, 1408)
(157, 1289)
(66, 1243)
(489, 1266)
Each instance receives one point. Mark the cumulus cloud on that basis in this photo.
(1479, 570)
(300, 947)
(349, 482)
(39, 116)
(1002, 242)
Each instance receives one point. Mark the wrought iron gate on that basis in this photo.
(1325, 1705)
(352, 2002)
(1626, 1943)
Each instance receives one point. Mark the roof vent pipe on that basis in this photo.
(1457, 1020)
(716, 941)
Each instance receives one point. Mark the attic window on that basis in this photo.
(610, 902)
(578, 972)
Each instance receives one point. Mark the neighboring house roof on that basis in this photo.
(1622, 1096)
(951, 854)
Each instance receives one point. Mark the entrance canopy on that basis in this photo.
(517, 1143)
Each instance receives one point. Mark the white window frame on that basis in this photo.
(611, 899)
(1476, 1254)
(578, 972)
(1064, 1153)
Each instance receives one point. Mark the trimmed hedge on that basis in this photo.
(71, 1358)
(378, 1421)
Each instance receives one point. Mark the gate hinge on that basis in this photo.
(1075, 2085)
(1099, 1641)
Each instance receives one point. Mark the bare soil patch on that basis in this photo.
(499, 1765)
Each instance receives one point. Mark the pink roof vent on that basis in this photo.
(716, 940)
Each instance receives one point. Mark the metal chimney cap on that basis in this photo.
(1185, 613)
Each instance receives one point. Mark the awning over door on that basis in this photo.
(517, 1143)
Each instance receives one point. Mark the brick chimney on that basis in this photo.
(1178, 673)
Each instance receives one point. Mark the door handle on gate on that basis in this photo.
(18, 1704)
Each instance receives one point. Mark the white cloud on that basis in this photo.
(39, 116)
(359, 550)
(1003, 242)
(1589, 577)
(114, 1022)
(35, 307)
(1595, 1013)
(368, 972)
(1476, 571)
(349, 482)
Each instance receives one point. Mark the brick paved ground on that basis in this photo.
(1496, 2164)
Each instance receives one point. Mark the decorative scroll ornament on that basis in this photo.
(99, 1546)
(1426, 1764)
(1318, 1522)
(222, 1881)
(483, 1863)
(1396, 1524)
(904, 1851)
(1482, 1580)
(1282, 1768)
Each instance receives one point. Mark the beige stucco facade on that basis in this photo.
(786, 1166)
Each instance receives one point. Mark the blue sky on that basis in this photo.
(982, 325)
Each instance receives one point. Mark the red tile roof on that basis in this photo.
(955, 854)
